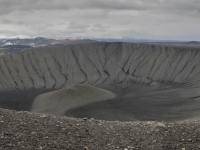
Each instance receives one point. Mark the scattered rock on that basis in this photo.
(22, 130)
(189, 140)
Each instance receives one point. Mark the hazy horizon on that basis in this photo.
(125, 39)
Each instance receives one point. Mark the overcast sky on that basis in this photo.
(140, 19)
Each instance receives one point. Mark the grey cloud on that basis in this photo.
(9, 6)
(7, 32)
(29, 5)
(155, 19)
(99, 27)
(7, 21)
(77, 25)
(14, 33)
(80, 27)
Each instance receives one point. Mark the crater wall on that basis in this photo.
(99, 64)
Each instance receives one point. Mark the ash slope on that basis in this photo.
(151, 82)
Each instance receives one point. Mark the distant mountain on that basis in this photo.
(174, 43)
(193, 42)
(8, 46)
(17, 44)
(41, 41)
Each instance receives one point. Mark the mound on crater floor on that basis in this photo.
(59, 101)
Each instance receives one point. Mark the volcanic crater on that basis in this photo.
(106, 81)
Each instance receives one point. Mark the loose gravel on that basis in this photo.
(29, 131)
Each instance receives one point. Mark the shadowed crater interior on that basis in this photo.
(108, 81)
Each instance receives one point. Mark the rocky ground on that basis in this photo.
(25, 130)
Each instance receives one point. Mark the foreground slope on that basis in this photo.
(23, 130)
